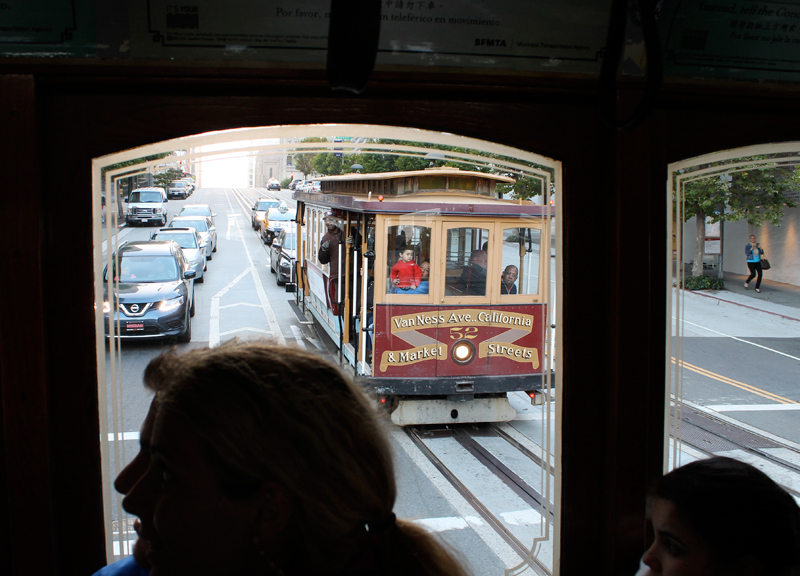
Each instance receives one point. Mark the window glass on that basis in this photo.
(277, 215)
(408, 259)
(432, 182)
(183, 240)
(199, 225)
(520, 261)
(136, 269)
(466, 258)
(145, 197)
(267, 204)
(461, 184)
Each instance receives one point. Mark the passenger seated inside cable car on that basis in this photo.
(407, 247)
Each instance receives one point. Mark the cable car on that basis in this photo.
(433, 286)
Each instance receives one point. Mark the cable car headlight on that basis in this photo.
(463, 352)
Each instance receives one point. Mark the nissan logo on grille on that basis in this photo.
(134, 307)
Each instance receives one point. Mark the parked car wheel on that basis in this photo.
(191, 310)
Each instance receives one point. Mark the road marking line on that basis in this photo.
(213, 332)
(741, 340)
(753, 407)
(528, 517)
(269, 313)
(245, 329)
(451, 523)
(736, 383)
(240, 304)
(739, 424)
(228, 228)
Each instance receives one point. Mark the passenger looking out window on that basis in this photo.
(406, 275)
(406, 246)
(508, 281)
(521, 258)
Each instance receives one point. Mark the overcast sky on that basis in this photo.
(223, 171)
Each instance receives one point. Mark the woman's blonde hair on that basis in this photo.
(271, 413)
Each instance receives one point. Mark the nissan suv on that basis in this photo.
(149, 292)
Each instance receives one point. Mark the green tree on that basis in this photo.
(305, 161)
(327, 164)
(758, 194)
(132, 162)
(524, 188)
(163, 179)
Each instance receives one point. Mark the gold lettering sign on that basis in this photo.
(464, 317)
(510, 351)
(413, 355)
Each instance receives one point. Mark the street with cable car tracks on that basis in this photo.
(241, 297)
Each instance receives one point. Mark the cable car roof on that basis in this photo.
(442, 171)
(434, 203)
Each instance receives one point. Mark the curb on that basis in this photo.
(744, 306)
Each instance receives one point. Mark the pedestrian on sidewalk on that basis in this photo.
(753, 251)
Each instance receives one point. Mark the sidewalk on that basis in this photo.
(775, 297)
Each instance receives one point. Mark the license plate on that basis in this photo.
(134, 326)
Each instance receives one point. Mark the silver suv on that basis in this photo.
(146, 205)
(179, 189)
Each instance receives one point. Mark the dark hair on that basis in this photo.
(273, 413)
(737, 511)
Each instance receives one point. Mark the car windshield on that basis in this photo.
(184, 240)
(277, 215)
(178, 184)
(199, 225)
(289, 242)
(136, 269)
(144, 197)
(267, 204)
(195, 211)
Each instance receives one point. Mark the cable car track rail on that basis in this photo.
(512, 480)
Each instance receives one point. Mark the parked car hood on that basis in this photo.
(149, 291)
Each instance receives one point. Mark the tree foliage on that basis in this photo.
(133, 162)
(305, 161)
(376, 161)
(757, 194)
(163, 179)
(328, 164)
(524, 188)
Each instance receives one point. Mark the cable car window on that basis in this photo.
(520, 261)
(408, 259)
(432, 182)
(461, 184)
(467, 253)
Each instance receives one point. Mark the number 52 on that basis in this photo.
(469, 332)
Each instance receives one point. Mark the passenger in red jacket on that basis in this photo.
(405, 275)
